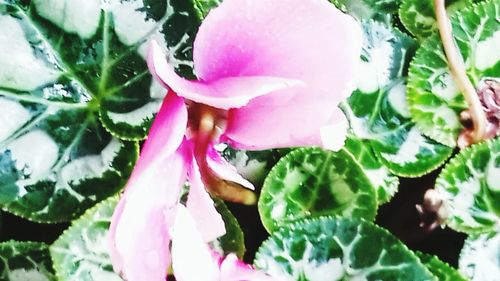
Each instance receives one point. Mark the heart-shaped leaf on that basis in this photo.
(311, 182)
(23, 261)
(470, 187)
(440, 269)
(419, 18)
(81, 252)
(435, 101)
(385, 183)
(72, 71)
(378, 112)
(480, 257)
(338, 249)
(377, 10)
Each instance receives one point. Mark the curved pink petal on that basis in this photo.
(166, 133)
(224, 93)
(139, 231)
(307, 40)
(138, 235)
(201, 206)
(233, 269)
(192, 259)
(224, 170)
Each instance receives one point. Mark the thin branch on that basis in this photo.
(457, 68)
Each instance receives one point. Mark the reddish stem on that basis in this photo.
(226, 190)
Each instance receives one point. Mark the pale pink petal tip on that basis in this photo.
(333, 136)
(192, 259)
(223, 93)
(201, 207)
(225, 170)
(232, 269)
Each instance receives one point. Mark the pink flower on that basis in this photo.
(271, 74)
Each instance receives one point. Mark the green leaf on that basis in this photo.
(434, 99)
(340, 249)
(204, 6)
(378, 112)
(480, 257)
(233, 241)
(310, 182)
(377, 10)
(81, 252)
(253, 165)
(72, 71)
(419, 18)
(440, 269)
(470, 187)
(385, 183)
(69, 169)
(22, 261)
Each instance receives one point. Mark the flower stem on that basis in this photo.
(224, 189)
(457, 69)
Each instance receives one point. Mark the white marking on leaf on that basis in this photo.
(463, 203)
(409, 150)
(487, 52)
(35, 153)
(279, 209)
(342, 191)
(420, 18)
(73, 16)
(157, 91)
(131, 25)
(293, 178)
(136, 117)
(87, 167)
(332, 270)
(375, 73)
(493, 175)
(12, 117)
(479, 259)
(377, 176)
(443, 112)
(20, 69)
(23, 275)
(248, 169)
(100, 274)
(397, 99)
(443, 85)
(358, 125)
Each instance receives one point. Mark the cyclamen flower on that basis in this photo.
(270, 74)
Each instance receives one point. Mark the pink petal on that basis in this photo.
(307, 40)
(167, 131)
(138, 234)
(233, 269)
(192, 259)
(224, 170)
(224, 93)
(201, 206)
(139, 231)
